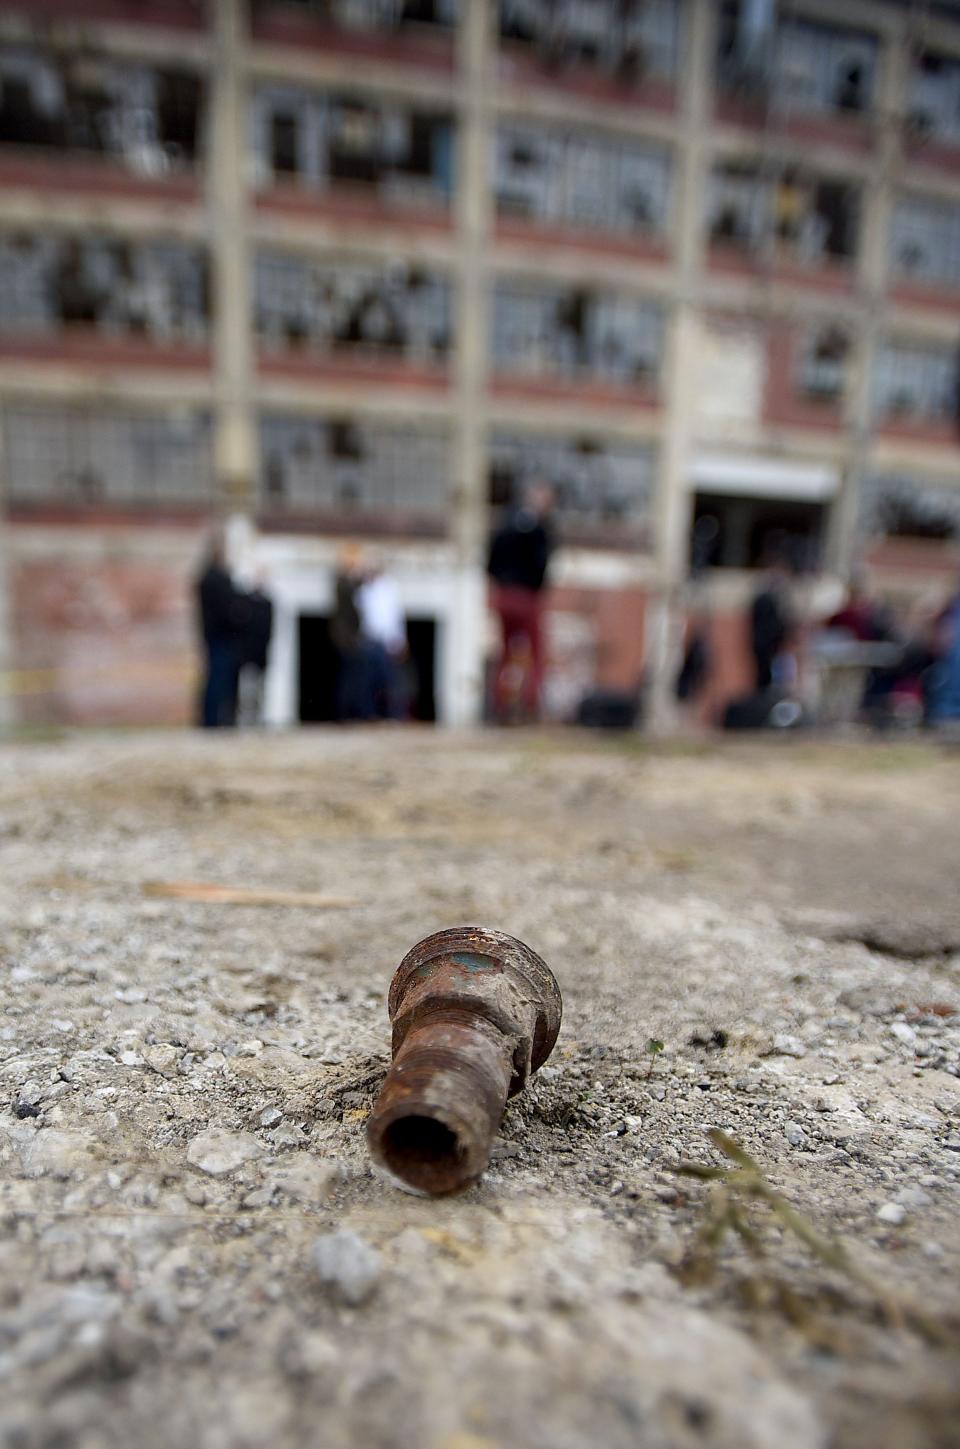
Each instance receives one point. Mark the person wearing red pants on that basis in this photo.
(518, 563)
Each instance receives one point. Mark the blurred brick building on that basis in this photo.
(359, 267)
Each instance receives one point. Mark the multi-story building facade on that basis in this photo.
(360, 267)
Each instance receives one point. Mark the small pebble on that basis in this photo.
(347, 1265)
(892, 1213)
(785, 1045)
(270, 1116)
(913, 1197)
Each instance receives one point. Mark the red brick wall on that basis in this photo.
(731, 673)
(616, 619)
(105, 639)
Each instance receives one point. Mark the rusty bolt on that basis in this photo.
(474, 1013)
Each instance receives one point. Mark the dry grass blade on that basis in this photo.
(745, 1180)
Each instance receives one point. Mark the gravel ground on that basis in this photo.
(195, 1250)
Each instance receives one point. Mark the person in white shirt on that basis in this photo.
(384, 626)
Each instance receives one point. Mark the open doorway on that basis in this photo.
(422, 642)
(741, 533)
(318, 665)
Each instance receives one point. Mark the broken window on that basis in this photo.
(902, 507)
(824, 364)
(933, 103)
(80, 456)
(744, 532)
(283, 144)
(80, 101)
(801, 216)
(543, 331)
(157, 289)
(915, 382)
(355, 142)
(178, 114)
(925, 240)
(339, 465)
(629, 42)
(401, 153)
(398, 309)
(581, 179)
(598, 483)
(738, 206)
(371, 15)
(797, 67)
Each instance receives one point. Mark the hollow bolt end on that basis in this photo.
(474, 1013)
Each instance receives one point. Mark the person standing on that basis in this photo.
(945, 691)
(354, 680)
(770, 624)
(518, 564)
(223, 615)
(384, 628)
(256, 649)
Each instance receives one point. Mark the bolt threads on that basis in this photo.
(441, 1104)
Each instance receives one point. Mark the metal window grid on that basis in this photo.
(891, 505)
(317, 117)
(925, 239)
(352, 466)
(620, 339)
(581, 179)
(915, 381)
(366, 15)
(795, 66)
(753, 210)
(933, 97)
(79, 455)
(126, 127)
(811, 62)
(405, 310)
(605, 32)
(596, 482)
(156, 286)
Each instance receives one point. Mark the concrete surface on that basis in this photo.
(195, 1250)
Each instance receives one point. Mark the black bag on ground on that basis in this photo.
(608, 709)
(762, 710)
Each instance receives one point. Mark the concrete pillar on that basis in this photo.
(235, 445)
(462, 658)
(672, 504)
(873, 282)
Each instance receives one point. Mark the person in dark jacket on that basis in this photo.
(355, 679)
(770, 624)
(254, 654)
(224, 615)
(518, 563)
